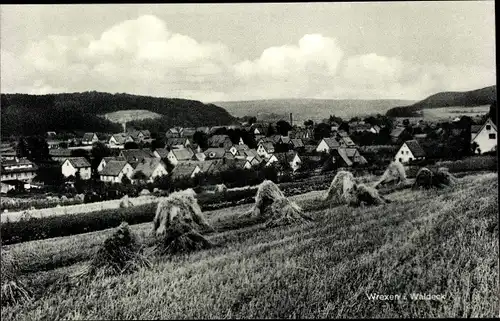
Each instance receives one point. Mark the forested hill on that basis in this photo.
(23, 114)
(483, 96)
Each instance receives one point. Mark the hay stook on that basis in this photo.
(178, 222)
(345, 191)
(13, 290)
(120, 253)
(272, 205)
(395, 174)
(428, 179)
(125, 202)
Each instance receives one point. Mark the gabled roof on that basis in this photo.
(176, 141)
(148, 165)
(331, 142)
(284, 139)
(121, 138)
(113, 168)
(242, 147)
(475, 128)
(348, 141)
(60, 152)
(248, 152)
(215, 152)
(415, 148)
(396, 132)
(162, 152)
(183, 170)
(297, 142)
(342, 153)
(78, 162)
(200, 156)
(286, 157)
(268, 147)
(343, 133)
(111, 158)
(188, 132)
(88, 136)
(182, 154)
(136, 155)
(487, 122)
(217, 140)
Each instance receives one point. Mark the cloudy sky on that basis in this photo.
(214, 52)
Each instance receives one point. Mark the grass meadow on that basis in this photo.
(430, 242)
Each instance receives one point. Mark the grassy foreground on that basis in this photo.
(427, 242)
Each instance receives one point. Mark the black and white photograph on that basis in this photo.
(303, 160)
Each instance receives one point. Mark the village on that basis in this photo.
(139, 157)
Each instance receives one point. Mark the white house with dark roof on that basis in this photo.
(20, 169)
(115, 170)
(179, 155)
(151, 168)
(409, 151)
(119, 140)
(161, 152)
(76, 164)
(265, 149)
(327, 144)
(485, 137)
(105, 160)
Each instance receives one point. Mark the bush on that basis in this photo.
(473, 163)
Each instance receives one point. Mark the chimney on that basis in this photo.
(291, 119)
(124, 125)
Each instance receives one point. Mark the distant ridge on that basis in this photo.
(483, 96)
(306, 108)
(24, 114)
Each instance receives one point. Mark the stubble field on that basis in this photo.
(430, 242)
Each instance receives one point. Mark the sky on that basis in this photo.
(224, 52)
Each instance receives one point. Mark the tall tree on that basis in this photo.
(283, 127)
(322, 130)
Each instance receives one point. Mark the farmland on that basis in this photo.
(429, 242)
(449, 113)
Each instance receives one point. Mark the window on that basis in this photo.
(488, 127)
(493, 136)
(400, 160)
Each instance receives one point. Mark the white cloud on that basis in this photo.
(143, 56)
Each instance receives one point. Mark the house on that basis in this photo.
(105, 160)
(115, 170)
(119, 140)
(7, 152)
(302, 133)
(265, 149)
(410, 150)
(161, 153)
(297, 144)
(215, 153)
(185, 170)
(139, 135)
(188, 132)
(327, 144)
(89, 138)
(173, 132)
(290, 158)
(59, 154)
(235, 149)
(51, 134)
(134, 156)
(375, 129)
(360, 127)
(54, 143)
(283, 140)
(200, 157)
(204, 130)
(151, 168)
(179, 155)
(485, 137)
(18, 169)
(178, 142)
(397, 133)
(195, 148)
(76, 164)
(258, 130)
(346, 141)
(214, 129)
(220, 141)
